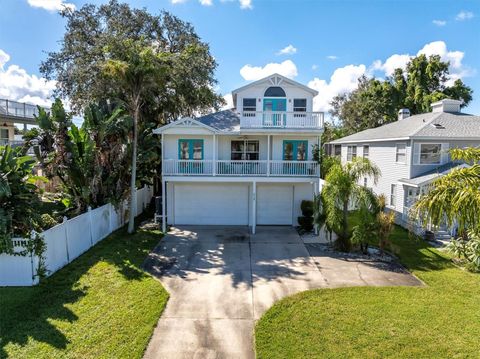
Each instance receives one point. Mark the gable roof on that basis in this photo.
(188, 121)
(451, 125)
(283, 79)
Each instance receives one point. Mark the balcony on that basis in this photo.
(18, 111)
(12, 144)
(281, 120)
(240, 168)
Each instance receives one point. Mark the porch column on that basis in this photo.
(164, 214)
(268, 155)
(254, 206)
(214, 155)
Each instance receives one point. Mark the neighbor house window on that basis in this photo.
(300, 105)
(250, 104)
(430, 153)
(366, 151)
(4, 133)
(245, 150)
(190, 149)
(365, 182)
(393, 195)
(337, 150)
(401, 153)
(351, 152)
(295, 150)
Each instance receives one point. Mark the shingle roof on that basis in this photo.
(455, 125)
(433, 174)
(227, 120)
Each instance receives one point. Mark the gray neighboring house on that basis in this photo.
(411, 152)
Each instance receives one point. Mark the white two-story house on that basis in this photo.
(250, 165)
(411, 152)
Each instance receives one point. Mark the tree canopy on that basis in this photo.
(376, 102)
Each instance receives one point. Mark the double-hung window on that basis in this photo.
(299, 105)
(430, 153)
(3, 136)
(190, 149)
(245, 150)
(366, 151)
(351, 152)
(249, 104)
(295, 150)
(393, 195)
(401, 153)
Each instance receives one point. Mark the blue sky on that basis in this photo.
(327, 44)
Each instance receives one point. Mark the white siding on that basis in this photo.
(277, 145)
(171, 145)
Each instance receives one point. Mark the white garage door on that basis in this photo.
(211, 204)
(274, 204)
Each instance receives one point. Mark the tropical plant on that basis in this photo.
(306, 220)
(341, 189)
(320, 215)
(19, 200)
(455, 199)
(385, 222)
(367, 211)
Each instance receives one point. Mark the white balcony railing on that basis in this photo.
(240, 168)
(11, 143)
(282, 119)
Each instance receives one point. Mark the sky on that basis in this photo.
(326, 45)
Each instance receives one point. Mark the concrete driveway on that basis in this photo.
(222, 279)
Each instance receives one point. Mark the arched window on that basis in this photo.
(275, 91)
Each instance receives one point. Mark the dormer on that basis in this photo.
(276, 102)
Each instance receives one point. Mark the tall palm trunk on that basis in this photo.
(133, 179)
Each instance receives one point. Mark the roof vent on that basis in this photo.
(446, 105)
(438, 126)
(403, 113)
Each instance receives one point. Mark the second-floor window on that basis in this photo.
(190, 149)
(351, 152)
(393, 195)
(250, 104)
(401, 153)
(295, 150)
(300, 105)
(366, 151)
(430, 153)
(245, 150)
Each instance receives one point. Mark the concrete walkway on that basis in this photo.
(221, 280)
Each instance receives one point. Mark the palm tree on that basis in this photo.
(342, 188)
(454, 197)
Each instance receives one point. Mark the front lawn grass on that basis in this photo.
(102, 305)
(441, 320)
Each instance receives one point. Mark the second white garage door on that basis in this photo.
(211, 204)
(274, 204)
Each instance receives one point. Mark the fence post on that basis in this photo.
(90, 221)
(64, 223)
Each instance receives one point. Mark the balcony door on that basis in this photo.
(274, 106)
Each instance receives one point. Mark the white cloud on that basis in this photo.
(288, 50)
(464, 15)
(286, 68)
(16, 84)
(439, 22)
(393, 62)
(206, 2)
(314, 67)
(343, 79)
(51, 5)
(246, 4)
(332, 57)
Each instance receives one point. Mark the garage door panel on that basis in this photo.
(211, 204)
(274, 204)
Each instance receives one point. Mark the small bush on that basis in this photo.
(306, 223)
(48, 221)
(307, 208)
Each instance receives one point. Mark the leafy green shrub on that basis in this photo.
(47, 221)
(307, 208)
(467, 250)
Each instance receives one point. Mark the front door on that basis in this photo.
(274, 105)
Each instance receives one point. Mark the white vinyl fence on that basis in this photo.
(67, 241)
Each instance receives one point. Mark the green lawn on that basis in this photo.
(441, 320)
(100, 306)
